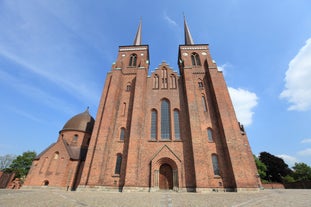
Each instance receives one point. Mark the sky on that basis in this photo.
(54, 57)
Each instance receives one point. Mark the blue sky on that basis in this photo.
(54, 56)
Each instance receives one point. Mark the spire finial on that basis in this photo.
(188, 38)
(137, 40)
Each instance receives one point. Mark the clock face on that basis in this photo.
(185, 54)
(204, 53)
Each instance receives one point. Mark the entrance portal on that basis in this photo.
(166, 177)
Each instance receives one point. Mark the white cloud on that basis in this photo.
(297, 80)
(305, 141)
(244, 102)
(224, 67)
(289, 160)
(169, 20)
(306, 152)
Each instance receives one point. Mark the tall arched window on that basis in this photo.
(210, 135)
(133, 60)
(56, 155)
(176, 124)
(154, 119)
(204, 103)
(195, 59)
(117, 170)
(215, 164)
(165, 120)
(122, 134)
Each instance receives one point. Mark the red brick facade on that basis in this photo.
(164, 131)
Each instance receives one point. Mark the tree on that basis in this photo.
(301, 172)
(21, 165)
(276, 167)
(261, 168)
(6, 160)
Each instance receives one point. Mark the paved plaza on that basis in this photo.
(43, 198)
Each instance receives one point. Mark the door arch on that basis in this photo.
(166, 177)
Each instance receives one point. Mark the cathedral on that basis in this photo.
(159, 131)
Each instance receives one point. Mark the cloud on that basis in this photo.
(244, 102)
(297, 80)
(305, 141)
(306, 152)
(169, 20)
(289, 160)
(224, 67)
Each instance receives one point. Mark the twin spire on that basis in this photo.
(188, 37)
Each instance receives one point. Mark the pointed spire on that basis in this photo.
(188, 38)
(137, 40)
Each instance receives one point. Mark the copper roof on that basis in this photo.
(81, 122)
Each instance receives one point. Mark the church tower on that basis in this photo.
(167, 130)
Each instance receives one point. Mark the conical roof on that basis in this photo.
(188, 37)
(80, 122)
(138, 37)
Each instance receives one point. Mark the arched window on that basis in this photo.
(210, 135)
(117, 170)
(56, 155)
(200, 84)
(215, 164)
(195, 59)
(75, 138)
(204, 103)
(154, 119)
(122, 134)
(128, 87)
(165, 120)
(155, 81)
(176, 124)
(133, 60)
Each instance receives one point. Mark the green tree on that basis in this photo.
(261, 168)
(276, 167)
(301, 172)
(21, 165)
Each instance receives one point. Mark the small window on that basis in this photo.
(133, 60)
(200, 83)
(215, 165)
(195, 59)
(56, 155)
(204, 103)
(128, 88)
(118, 164)
(173, 81)
(122, 134)
(75, 138)
(210, 135)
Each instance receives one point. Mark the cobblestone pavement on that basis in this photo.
(32, 198)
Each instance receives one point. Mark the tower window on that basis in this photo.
(176, 124)
(75, 138)
(154, 118)
(128, 87)
(165, 120)
(195, 59)
(215, 164)
(117, 170)
(133, 60)
(204, 103)
(122, 134)
(210, 135)
(200, 83)
(56, 155)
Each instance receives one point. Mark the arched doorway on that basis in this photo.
(166, 177)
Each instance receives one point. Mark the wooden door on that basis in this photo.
(166, 177)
